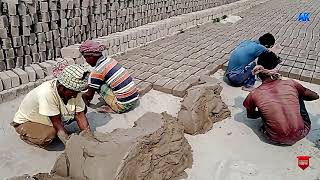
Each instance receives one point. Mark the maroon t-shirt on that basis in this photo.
(278, 103)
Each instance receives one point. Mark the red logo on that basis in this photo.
(303, 162)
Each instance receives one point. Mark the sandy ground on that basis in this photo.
(235, 150)
(232, 150)
(18, 158)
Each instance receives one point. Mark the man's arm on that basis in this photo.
(88, 96)
(57, 123)
(58, 126)
(250, 106)
(309, 95)
(305, 93)
(82, 121)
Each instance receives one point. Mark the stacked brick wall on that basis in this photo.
(33, 31)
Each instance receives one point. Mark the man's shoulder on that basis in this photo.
(287, 82)
(46, 88)
(103, 64)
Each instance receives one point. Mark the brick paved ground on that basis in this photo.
(173, 64)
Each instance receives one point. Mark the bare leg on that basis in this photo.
(105, 109)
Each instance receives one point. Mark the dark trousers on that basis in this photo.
(243, 77)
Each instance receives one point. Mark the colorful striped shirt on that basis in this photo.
(109, 71)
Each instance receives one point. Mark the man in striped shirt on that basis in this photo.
(109, 79)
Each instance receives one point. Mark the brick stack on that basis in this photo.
(34, 31)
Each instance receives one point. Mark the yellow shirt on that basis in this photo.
(44, 101)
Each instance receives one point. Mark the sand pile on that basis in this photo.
(155, 148)
(202, 106)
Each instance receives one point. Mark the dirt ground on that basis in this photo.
(234, 149)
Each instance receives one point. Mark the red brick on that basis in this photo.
(152, 79)
(144, 87)
(136, 73)
(168, 87)
(284, 70)
(165, 71)
(193, 70)
(193, 80)
(157, 62)
(299, 65)
(183, 76)
(176, 65)
(181, 89)
(144, 75)
(202, 65)
(202, 72)
(137, 66)
(158, 85)
(144, 67)
(156, 69)
(316, 78)
(213, 67)
(166, 64)
(186, 61)
(208, 79)
(194, 63)
(294, 73)
(306, 75)
(173, 74)
(184, 68)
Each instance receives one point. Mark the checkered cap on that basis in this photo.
(74, 77)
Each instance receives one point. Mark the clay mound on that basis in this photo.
(40, 176)
(155, 148)
(202, 106)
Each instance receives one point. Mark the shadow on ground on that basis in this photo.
(253, 124)
(314, 133)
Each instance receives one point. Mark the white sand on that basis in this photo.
(230, 151)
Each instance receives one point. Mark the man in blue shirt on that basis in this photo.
(242, 61)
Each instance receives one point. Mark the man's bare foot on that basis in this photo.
(247, 88)
(105, 109)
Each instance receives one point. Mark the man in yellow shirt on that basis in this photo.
(44, 110)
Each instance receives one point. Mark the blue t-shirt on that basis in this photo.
(246, 52)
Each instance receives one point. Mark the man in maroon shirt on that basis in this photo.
(280, 104)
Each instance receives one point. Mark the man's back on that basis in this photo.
(246, 52)
(278, 103)
(109, 71)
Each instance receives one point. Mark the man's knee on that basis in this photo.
(35, 133)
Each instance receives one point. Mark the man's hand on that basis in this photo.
(86, 133)
(63, 136)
